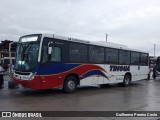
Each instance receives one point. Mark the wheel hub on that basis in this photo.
(71, 84)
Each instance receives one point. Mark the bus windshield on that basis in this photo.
(26, 56)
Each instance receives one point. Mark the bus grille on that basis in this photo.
(22, 73)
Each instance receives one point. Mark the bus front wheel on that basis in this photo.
(70, 84)
(127, 80)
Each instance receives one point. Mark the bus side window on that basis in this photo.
(54, 57)
(111, 56)
(135, 58)
(144, 59)
(56, 54)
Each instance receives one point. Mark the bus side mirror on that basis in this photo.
(49, 50)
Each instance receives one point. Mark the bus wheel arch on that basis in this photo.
(70, 83)
(127, 79)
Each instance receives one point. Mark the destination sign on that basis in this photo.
(78, 40)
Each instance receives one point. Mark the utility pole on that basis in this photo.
(154, 50)
(106, 36)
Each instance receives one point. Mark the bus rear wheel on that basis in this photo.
(127, 80)
(70, 84)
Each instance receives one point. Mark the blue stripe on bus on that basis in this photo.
(55, 68)
(94, 72)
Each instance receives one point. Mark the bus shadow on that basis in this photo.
(106, 87)
(93, 89)
(40, 93)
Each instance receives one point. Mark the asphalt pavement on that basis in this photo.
(143, 95)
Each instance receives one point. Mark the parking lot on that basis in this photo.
(139, 96)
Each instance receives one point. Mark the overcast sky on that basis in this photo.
(135, 23)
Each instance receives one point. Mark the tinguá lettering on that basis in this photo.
(119, 68)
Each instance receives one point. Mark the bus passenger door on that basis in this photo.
(51, 66)
(135, 70)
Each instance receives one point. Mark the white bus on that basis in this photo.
(46, 61)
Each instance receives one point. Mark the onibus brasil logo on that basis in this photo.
(21, 114)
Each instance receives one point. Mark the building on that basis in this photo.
(4, 51)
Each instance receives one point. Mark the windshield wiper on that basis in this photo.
(25, 48)
(25, 51)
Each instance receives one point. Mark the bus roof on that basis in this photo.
(98, 43)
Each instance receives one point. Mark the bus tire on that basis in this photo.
(127, 80)
(70, 84)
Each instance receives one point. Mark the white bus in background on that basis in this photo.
(46, 61)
